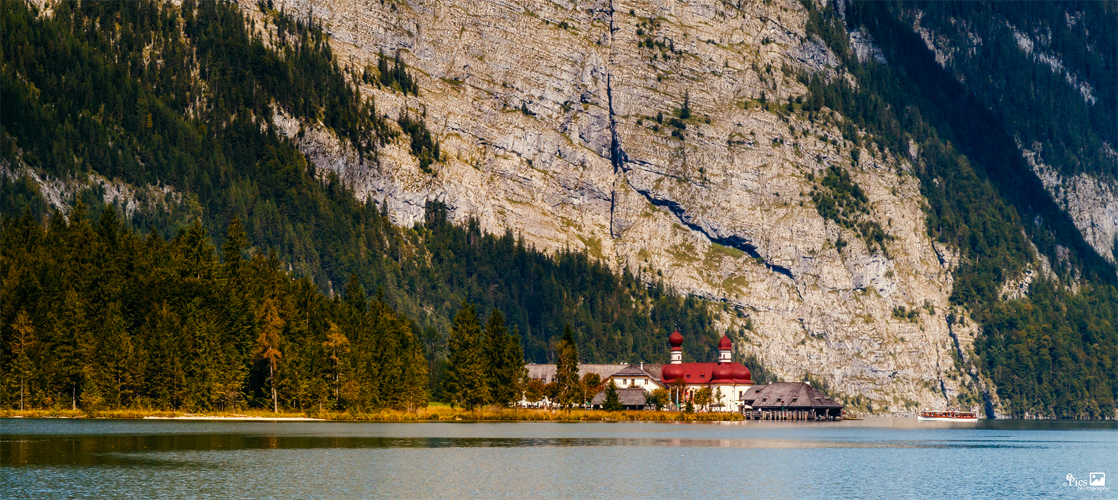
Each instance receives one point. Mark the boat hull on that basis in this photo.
(946, 419)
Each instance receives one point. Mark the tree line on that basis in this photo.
(98, 316)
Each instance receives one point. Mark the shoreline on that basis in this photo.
(430, 414)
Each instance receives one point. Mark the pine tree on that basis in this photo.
(23, 340)
(566, 370)
(506, 360)
(466, 378)
(268, 343)
(337, 345)
(167, 381)
(74, 345)
(613, 400)
(235, 242)
(119, 360)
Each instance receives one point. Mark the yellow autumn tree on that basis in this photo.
(268, 343)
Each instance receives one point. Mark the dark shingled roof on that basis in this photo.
(790, 395)
(633, 371)
(546, 373)
(629, 396)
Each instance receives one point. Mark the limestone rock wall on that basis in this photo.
(547, 115)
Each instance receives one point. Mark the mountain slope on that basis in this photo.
(666, 139)
(808, 168)
(212, 156)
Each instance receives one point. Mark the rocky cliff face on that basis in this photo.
(1091, 201)
(564, 122)
(1089, 198)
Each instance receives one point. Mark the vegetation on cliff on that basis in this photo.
(1053, 352)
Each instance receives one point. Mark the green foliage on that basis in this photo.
(617, 316)
(900, 312)
(21, 195)
(396, 77)
(761, 375)
(108, 318)
(567, 382)
(1024, 91)
(467, 377)
(132, 111)
(983, 199)
(505, 361)
(1056, 353)
(702, 398)
(423, 147)
(818, 383)
(838, 198)
(613, 401)
(658, 398)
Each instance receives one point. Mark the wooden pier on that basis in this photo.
(793, 401)
(791, 415)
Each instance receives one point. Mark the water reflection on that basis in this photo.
(93, 459)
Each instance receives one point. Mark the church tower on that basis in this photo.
(725, 350)
(676, 341)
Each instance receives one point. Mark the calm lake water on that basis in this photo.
(875, 458)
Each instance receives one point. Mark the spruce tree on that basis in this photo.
(235, 242)
(466, 378)
(506, 360)
(613, 400)
(566, 370)
(23, 340)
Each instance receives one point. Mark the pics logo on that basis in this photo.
(1096, 481)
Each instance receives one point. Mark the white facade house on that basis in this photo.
(635, 376)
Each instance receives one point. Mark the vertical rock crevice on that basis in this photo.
(617, 156)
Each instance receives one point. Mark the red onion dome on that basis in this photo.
(725, 344)
(675, 339)
(671, 372)
(723, 372)
(741, 372)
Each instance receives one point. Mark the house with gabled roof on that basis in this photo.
(631, 398)
(634, 376)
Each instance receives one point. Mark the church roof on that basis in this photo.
(699, 373)
(787, 395)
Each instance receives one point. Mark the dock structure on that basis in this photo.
(789, 401)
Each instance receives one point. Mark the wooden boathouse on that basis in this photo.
(789, 401)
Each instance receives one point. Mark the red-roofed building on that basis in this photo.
(727, 380)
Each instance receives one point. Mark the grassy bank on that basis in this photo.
(432, 413)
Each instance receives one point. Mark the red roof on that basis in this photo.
(725, 344)
(703, 373)
(675, 339)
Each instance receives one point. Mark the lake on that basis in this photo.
(875, 458)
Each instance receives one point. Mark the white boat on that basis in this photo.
(947, 416)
